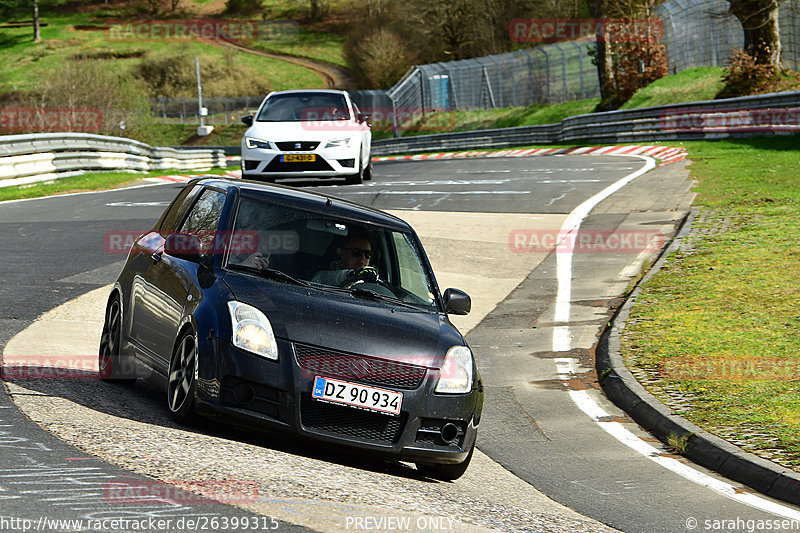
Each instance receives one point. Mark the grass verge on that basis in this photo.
(717, 330)
(90, 181)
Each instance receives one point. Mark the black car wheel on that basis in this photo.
(358, 177)
(110, 367)
(180, 392)
(446, 472)
(368, 170)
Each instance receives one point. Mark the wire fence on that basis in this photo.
(700, 33)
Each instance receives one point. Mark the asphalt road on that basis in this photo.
(53, 251)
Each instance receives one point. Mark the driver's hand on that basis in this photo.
(257, 260)
(368, 274)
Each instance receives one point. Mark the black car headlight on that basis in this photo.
(456, 374)
(252, 143)
(252, 330)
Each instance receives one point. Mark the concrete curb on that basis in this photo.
(703, 447)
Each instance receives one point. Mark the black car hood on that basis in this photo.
(340, 321)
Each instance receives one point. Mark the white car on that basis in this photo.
(307, 133)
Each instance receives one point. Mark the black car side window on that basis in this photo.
(177, 210)
(203, 219)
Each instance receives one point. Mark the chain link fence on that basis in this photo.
(700, 33)
(221, 110)
(553, 73)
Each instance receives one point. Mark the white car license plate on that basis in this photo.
(333, 390)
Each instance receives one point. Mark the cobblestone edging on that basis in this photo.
(662, 419)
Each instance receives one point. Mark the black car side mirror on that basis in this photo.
(363, 117)
(456, 302)
(184, 246)
(247, 120)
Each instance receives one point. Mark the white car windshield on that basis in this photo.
(329, 252)
(300, 107)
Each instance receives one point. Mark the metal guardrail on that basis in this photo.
(54, 154)
(777, 113)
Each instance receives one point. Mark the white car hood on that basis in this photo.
(322, 130)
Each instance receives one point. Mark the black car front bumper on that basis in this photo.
(255, 392)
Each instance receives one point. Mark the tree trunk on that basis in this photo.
(762, 38)
(604, 58)
(37, 36)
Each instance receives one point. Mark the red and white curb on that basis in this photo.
(189, 177)
(664, 154)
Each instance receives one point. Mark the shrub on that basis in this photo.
(382, 58)
(91, 85)
(173, 74)
(243, 7)
(744, 76)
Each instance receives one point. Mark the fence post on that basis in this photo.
(546, 69)
(563, 71)
(580, 66)
(163, 108)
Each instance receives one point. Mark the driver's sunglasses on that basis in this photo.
(358, 252)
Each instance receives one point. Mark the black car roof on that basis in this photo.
(310, 201)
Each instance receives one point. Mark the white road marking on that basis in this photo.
(87, 192)
(581, 398)
(407, 193)
(138, 204)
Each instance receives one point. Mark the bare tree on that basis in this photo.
(37, 35)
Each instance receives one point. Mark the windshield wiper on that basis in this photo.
(270, 273)
(372, 295)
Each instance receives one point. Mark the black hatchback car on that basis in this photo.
(277, 308)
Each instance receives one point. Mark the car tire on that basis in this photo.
(368, 170)
(109, 364)
(446, 472)
(181, 382)
(358, 177)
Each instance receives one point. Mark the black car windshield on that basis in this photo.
(331, 253)
(301, 107)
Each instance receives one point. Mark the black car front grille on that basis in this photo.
(301, 146)
(315, 361)
(276, 165)
(322, 417)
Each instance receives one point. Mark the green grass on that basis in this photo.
(318, 45)
(721, 323)
(25, 62)
(691, 85)
(90, 181)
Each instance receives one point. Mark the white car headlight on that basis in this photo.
(253, 143)
(252, 330)
(456, 373)
(337, 143)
